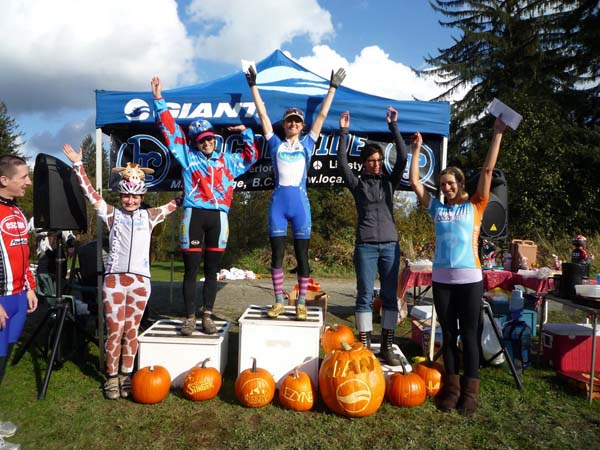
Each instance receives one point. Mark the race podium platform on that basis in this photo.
(163, 344)
(388, 371)
(282, 344)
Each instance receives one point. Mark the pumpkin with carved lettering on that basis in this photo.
(351, 381)
(431, 372)
(296, 391)
(201, 382)
(255, 387)
(334, 335)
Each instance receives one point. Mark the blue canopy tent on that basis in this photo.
(128, 118)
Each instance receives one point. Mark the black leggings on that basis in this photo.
(191, 262)
(458, 308)
(300, 250)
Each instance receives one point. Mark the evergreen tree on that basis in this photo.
(10, 136)
(533, 55)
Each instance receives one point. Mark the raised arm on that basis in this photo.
(88, 190)
(485, 177)
(401, 151)
(350, 179)
(173, 134)
(335, 81)
(415, 174)
(261, 109)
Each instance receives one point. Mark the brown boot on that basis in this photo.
(447, 399)
(468, 399)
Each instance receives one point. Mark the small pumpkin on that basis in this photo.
(296, 391)
(150, 384)
(431, 372)
(201, 382)
(334, 335)
(406, 389)
(255, 387)
(351, 381)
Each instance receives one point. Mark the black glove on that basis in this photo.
(337, 78)
(251, 76)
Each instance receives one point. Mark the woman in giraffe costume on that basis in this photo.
(126, 286)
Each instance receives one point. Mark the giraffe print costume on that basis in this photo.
(126, 287)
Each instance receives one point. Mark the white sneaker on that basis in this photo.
(8, 445)
(7, 429)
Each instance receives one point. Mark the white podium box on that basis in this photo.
(388, 371)
(282, 344)
(163, 344)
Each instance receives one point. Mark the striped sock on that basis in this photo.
(302, 286)
(277, 276)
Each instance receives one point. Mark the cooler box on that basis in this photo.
(501, 311)
(163, 344)
(282, 344)
(567, 347)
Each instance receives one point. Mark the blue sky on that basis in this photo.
(53, 61)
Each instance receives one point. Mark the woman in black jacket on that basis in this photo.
(376, 248)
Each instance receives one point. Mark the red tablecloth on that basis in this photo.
(491, 278)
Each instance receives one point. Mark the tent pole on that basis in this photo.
(99, 265)
(172, 258)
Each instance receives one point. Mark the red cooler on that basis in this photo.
(567, 347)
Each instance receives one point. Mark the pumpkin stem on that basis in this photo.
(204, 363)
(296, 375)
(346, 347)
(151, 368)
(253, 365)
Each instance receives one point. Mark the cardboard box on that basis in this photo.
(522, 248)
(313, 298)
(568, 347)
(580, 381)
(163, 344)
(282, 344)
(420, 334)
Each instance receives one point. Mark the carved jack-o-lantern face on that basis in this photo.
(351, 381)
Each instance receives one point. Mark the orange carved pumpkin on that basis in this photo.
(255, 387)
(296, 391)
(406, 389)
(150, 384)
(431, 372)
(351, 381)
(201, 382)
(334, 335)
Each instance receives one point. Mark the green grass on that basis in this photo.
(74, 415)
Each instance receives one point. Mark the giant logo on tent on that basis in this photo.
(137, 110)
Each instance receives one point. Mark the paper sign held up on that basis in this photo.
(509, 116)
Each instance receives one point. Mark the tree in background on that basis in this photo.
(541, 58)
(10, 136)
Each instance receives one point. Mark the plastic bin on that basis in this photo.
(282, 344)
(163, 344)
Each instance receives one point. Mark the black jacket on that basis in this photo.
(374, 194)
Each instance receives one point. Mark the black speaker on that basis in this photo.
(58, 203)
(495, 218)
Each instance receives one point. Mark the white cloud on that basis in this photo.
(373, 72)
(235, 29)
(56, 53)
